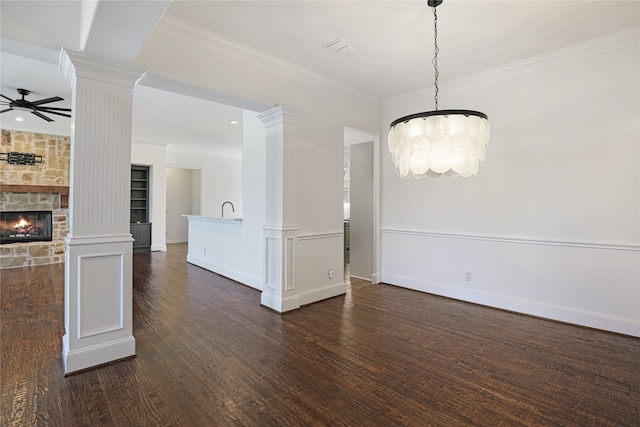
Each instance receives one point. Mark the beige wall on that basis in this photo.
(55, 151)
(54, 170)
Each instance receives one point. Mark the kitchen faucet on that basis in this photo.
(232, 208)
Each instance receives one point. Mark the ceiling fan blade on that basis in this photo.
(4, 111)
(42, 116)
(52, 108)
(6, 97)
(54, 112)
(47, 100)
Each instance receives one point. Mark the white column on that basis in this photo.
(281, 229)
(98, 271)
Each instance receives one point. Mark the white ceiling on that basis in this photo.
(392, 41)
(44, 81)
(159, 117)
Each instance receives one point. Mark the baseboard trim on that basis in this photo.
(325, 292)
(235, 275)
(564, 314)
(281, 305)
(93, 356)
(370, 279)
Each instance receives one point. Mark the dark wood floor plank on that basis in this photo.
(209, 355)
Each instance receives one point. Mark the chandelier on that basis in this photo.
(438, 143)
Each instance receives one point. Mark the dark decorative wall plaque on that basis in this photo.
(15, 158)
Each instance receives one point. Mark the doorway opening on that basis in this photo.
(360, 204)
(183, 198)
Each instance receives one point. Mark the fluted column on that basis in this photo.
(98, 270)
(281, 229)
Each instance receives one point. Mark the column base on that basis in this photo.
(98, 301)
(89, 357)
(279, 304)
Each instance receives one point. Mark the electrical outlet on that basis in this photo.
(401, 220)
(205, 251)
(330, 274)
(467, 276)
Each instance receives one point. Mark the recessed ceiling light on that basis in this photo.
(19, 119)
(233, 122)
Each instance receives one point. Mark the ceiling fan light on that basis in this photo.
(21, 108)
(35, 107)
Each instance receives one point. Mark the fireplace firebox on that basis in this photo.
(26, 226)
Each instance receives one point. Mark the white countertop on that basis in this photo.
(211, 219)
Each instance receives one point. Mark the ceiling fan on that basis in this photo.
(34, 107)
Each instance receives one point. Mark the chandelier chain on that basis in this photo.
(435, 54)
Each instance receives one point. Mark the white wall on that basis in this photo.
(549, 226)
(179, 203)
(155, 157)
(221, 179)
(196, 191)
(236, 249)
(327, 109)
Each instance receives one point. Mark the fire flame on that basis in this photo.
(23, 226)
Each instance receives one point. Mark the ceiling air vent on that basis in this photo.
(339, 46)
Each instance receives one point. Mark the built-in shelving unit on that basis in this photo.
(139, 213)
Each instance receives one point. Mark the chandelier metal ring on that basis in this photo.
(439, 113)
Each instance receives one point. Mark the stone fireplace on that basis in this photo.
(40, 187)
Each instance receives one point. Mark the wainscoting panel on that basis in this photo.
(288, 265)
(584, 283)
(272, 263)
(100, 308)
(317, 255)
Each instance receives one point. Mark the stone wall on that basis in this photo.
(54, 170)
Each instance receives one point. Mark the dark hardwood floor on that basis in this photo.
(209, 355)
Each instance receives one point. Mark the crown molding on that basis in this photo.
(76, 64)
(281, 114)
(175, 27)
(594, 47)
